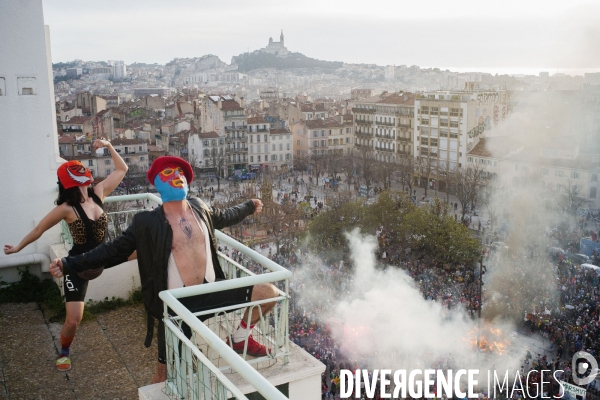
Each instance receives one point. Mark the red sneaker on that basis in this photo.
(255, 349)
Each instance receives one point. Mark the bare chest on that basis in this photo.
(189, 250)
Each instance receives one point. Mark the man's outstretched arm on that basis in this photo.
(234, 215)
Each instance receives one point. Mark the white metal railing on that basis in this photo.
(197, 366)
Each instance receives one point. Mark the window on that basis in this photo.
(107, 171)
(322, 143)
(266, 157)
(251, 158)
(251, 149)
(266, 148)
(273, 147)
(266, 140)
(470, 159)
(90, 163)
(560, 172)
(280, 146)
(594, 178)
(323, 133)
(250, 138)
(258, 158)
(315, 134)
(257, 138)
(139, 148)
(315, 143)
(142, 158)
(575, 175)
(592, 193)
(205, 142)
(106, 162)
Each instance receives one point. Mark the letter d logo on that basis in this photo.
(579, 369)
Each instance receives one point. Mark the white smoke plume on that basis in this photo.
(389, 324)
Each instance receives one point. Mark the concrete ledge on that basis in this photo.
(153, 392)
(118, 281)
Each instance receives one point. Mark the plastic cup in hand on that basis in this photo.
(100, 152)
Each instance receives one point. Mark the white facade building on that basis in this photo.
(28, 117)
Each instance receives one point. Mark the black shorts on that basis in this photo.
(74, 287)
(200, 303)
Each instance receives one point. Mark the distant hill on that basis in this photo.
(256, 60)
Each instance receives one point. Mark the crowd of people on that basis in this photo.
(554, 298)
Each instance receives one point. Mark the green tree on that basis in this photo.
(327, 229)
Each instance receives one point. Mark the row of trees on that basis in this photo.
(429, 232)
(363, 167)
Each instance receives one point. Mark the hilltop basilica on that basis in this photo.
(276, 48)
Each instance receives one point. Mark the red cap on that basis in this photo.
(169, 162)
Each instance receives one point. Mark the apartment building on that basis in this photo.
(557, 166)
(226, 116)
(206, 151)
(312, 136)
(449, 124)
(235, 123)
(280, 149)
(133, 151)
(258, 143)
(384, 124)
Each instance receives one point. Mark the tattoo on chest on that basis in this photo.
(186, 227)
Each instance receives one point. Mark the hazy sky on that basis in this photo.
(508, 35)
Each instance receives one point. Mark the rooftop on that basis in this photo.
(321, 123)
(108, 355)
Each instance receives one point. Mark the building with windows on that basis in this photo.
(226, 116)
(314, 136)
(384, 124)
(206, 151)
(280, 149)
(258, 143)
(556, 166)
(160, 91)
(448, 124)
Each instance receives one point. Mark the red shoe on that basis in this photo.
(255, 349)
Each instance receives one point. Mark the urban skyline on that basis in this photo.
(516, 38)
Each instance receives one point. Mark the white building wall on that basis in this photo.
(27, 125)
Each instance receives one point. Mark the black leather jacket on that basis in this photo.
(151, 235)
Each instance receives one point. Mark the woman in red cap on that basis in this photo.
(81, 207)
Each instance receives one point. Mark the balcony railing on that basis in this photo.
(404, 139)
(363, 121)
(385, 123)
(235, 128)
(196, 365)
(364, 134)
(363, 110)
